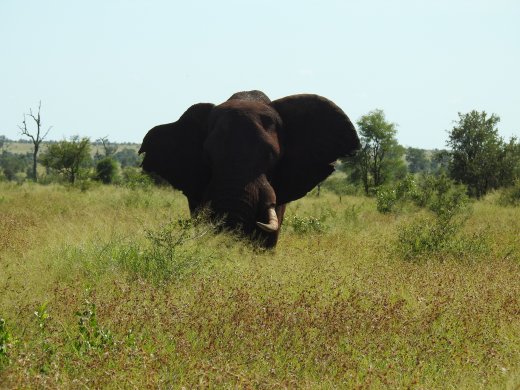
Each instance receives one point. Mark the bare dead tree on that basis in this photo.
(109, 149)
(36, 136)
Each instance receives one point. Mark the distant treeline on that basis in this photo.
(15, 161)
(477, 158)
(61, 161)
(5, 139)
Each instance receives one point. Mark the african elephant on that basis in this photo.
(246, 158)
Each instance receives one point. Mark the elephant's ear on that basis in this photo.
(316, 132)
(174, 151)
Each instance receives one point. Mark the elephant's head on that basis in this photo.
(247, 157)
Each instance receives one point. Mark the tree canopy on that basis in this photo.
(417, 160)
(479, 156)
(380, 158)
(67, 157)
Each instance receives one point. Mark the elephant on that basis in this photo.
(246, 158)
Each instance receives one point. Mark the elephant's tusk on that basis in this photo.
(273, 225)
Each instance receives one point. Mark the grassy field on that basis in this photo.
(115, 288)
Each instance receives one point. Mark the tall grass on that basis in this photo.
(114, 287)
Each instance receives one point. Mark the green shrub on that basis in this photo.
(134, 178)
(425, 188)
(176, 249)
(305, 225)
(425, 236)
(42, 317)
(106, 170)
(439, 236)
(510, 196)
(5, 343)
(386, 199)
(389, 198)
(47, 348)
(91, 335)
(339, 186)
(440, 232)
(436, 193)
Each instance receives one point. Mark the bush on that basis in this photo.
(134, 178)
(440, 232)
(386, 199)
(13, 165)
(70, 158)
(91, 335)
(304, 225)
(510, 196)
(436, 193)
(428, 237)
(339, 186)
(448, 199)
(425, 189)
(177, 248)
(5, 343)
(106, 170)
(128, 158)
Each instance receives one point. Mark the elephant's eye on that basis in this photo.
(267, 122)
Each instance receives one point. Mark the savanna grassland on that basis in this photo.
(113, 287)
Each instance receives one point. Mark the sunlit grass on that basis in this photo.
(121, 301)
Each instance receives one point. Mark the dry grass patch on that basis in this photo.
(330, 308)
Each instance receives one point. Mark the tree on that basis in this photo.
(67, 157)
(476, 152)
(108, 149)
(339, 186)
(35, 136)
(510, 163)
(417, 161)
(128, 158)
(12, 163)
(440, 161)
(380, 158)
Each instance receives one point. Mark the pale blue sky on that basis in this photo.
(117, 68)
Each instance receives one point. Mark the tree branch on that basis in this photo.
(24, 129)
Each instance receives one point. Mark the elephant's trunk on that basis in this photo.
(249, 205)
(273, 225)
